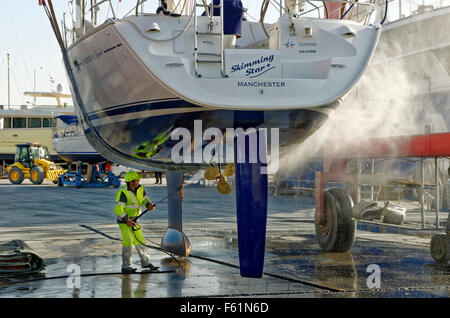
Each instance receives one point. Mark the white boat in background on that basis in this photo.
(417, 37)
(70, 143)
(414, 53)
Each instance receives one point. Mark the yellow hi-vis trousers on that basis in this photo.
(128, 238)
(137, 239)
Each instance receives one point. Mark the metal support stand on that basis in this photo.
(372, 163)
(422, 192)
(358, 193)
(94, 178)
(436, 200)
(174, 240)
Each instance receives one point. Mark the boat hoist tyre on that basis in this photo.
(15, 175)
(335, 230)
(37, 175)
(440, 248)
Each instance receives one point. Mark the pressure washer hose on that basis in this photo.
(81, 275)
(294, 280)
(157, 247)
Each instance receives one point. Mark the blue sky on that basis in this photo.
(26, 34)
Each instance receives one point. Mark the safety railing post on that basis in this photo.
(422, 192)
(112, 10)
(222, 69)
(436, 200)
(82, 17)
(195, 39)
(372, 164)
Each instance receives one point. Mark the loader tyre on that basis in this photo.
(335, 231)
(37, 175)
(15, 175)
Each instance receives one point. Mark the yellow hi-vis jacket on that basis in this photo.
(129, 204)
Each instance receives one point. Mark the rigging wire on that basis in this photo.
(117, 8)
(385, 12)
(18, 43)
(17, 87)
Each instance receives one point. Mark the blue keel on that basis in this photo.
(251, 201)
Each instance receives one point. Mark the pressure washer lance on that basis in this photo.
(134, 219)
(193, 178)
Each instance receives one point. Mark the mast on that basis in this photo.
(9, 86)
(34, 99)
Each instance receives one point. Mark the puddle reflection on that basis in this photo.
(127, 286)
(440, 275)
(336, 270)
(174, 282)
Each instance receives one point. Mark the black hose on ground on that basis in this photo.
(85, 275)
(330, 289)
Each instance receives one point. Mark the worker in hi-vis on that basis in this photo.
(129, 201)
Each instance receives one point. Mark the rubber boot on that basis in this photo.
(143, 255)
(126, 258)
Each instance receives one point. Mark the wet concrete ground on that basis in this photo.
(48, 219)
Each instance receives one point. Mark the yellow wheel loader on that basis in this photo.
(32, 161)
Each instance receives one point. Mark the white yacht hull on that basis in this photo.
(132, 89)
(118, 64)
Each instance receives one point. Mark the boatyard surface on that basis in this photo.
(391, 262)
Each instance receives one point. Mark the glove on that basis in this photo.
(150, 206)
(130, 222)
